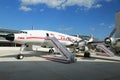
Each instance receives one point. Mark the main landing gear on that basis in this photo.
(87, 54)
(51, 50)
(20, 55)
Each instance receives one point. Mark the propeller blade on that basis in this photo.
(112, 33)
(4, 36)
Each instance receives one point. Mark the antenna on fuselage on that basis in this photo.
(32, 27)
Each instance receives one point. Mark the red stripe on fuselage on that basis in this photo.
(35, 38)
(44, 38)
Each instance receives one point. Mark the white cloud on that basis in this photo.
(97, 6)
(42, 10)
(24, 8)
(111, 26)
(50, 3)
(61, 4)
(102, 24)
(81, 3)
(106, 25)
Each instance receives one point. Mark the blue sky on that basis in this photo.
(84, 17)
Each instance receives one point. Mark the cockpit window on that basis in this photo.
(23, 32)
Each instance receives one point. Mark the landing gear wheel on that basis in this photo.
(20, 56)
(51, 51)
(87, 54)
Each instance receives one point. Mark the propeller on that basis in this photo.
(9, 37)
(108, 40)
(112, 33)
(4, 36)
(84, 42)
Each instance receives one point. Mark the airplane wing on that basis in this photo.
(107, 40)
(9, 31)
(96, 42)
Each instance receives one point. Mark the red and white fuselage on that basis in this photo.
(39, 37)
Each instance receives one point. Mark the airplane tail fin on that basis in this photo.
(91, 38)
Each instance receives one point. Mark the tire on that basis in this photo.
(87, 54)
(51, 51)
(20, 56)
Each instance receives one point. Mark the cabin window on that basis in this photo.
(47, 34)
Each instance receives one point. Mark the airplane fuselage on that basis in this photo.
(39, 37)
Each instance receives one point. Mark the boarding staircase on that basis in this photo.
(104, 51)
(65, 56)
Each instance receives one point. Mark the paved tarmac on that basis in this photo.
(34, 67)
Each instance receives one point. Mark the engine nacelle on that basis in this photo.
(10, 37)
(109, 41)
(79, 44)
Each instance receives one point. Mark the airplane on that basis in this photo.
(40, 37)
(113, 42)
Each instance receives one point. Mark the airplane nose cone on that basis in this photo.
(10, 37)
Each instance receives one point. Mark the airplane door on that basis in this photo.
(47, 34)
